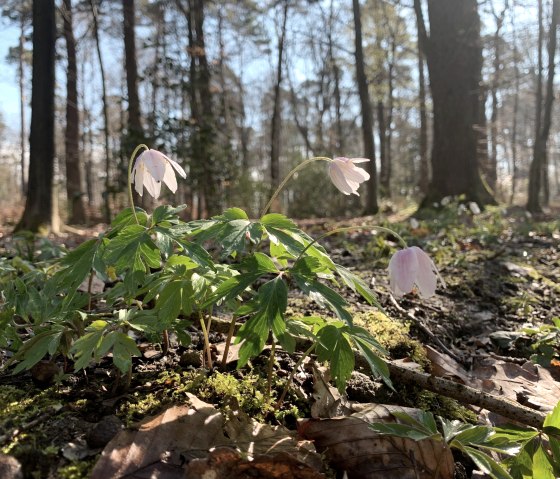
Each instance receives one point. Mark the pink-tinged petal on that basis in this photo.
(359, 160)
(178, 168)
(355, 173)
(403, 268)
(338, 179)
(169, 178)
(155, 163)
(426, 278)
(138, 178)
(152, 186)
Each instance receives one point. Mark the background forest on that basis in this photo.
(440, 95)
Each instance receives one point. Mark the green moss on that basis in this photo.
(77, 470)
(392, 335)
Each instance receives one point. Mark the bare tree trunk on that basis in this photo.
(23, 126)
(382, 129)
(367, 114)
(39, 202)
(514, 166)
(76, 209)
(423, 140)
(454, 56)
(541, 140)
(276, 124)
(106, 193)
(492, 173)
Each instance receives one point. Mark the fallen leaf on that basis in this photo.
(229, 463)
(350, 445)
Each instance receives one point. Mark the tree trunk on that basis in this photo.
(492, 171)
(276, 126)
(540, 147)
(423, 134)
(367, 114)
(382, 129)
(38, 207)
(514, 166)
(76, 209)
(23, 127)
(454, 56)
(106, 193)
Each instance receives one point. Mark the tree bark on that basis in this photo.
(367, 114)
(39, 201)
(23, 127)
(76, 209)
(423, 133)
(454, 56)
(541, 141)
(106, 193)
(276, 124)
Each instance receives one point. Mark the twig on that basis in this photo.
(468, 395)
(425, 330)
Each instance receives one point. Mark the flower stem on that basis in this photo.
(270, 370)
(130, 163)
(228, 340)
(288, 176)
(206, 340)
(351, 228)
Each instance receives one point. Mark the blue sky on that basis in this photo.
(9, 96)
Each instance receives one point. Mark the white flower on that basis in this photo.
(346, 176)
(151, 168)
(409, 267)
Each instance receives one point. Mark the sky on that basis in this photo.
(9, 91)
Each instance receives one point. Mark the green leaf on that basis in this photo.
(35, 349)
(197, 253)
(356, 284)
(324, 295)
(176, 296)
(333, 346)
(486, 464)
(542, 468)
(85, 348)
(232, 214)
(276, 220)
(378, 365)
(166, 213)
(474, 435)
(123, 350)
(254, 334)
(425, 422)
(553, 419)
(79, 264)
(132, 249)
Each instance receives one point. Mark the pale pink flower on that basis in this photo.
(346, 176)
(151, 168)
(409, 267)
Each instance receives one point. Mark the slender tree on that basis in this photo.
(367, 114)
(76, 209)
(275, 128)
(424, 178)
(541, 140)
(454, 56)
(106, 134)
(39, 201)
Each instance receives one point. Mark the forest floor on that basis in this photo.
(502, 278)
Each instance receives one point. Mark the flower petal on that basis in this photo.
(155, 163)
(426, 278)
(338, 178)
(403, 268)
(178, 168)
(138, 178)
(153, 186)
(359, 160)
(169, 178)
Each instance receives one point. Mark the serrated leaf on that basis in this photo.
(166, 213)
(553, 418)
(233, 214)
(276, 220)
(356, 284)
(333, 346)
(35, 349)
(254, 334)
(123, 350)
(323, 294)
(85, 349)
(486, 464)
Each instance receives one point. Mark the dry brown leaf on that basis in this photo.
(161, 446)
(351, 445)
(228, 463)
(529, 384)
(445, 366)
